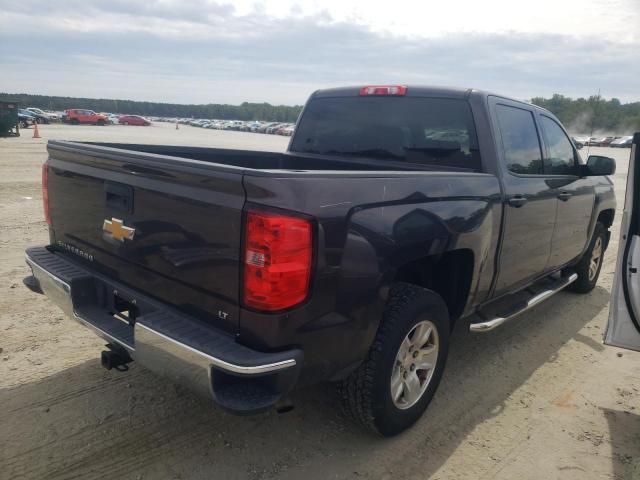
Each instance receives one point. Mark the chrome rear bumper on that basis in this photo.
(166, 341)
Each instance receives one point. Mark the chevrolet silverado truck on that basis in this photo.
(396, 212)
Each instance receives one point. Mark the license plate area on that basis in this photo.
(124, 309)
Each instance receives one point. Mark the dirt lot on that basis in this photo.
(540, 398)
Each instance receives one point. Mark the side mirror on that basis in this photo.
(599, 166)
(579, 146)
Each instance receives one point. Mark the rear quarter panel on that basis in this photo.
(368, 226)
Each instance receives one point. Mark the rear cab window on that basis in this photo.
(416, 130)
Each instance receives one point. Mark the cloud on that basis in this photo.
(200, 52)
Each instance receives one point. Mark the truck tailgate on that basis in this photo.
(165, 226)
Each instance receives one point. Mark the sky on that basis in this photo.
(280, 51)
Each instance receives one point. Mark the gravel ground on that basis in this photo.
(540, 398)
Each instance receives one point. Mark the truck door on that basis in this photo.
(530, 203)
(575, 195)
(623, 329)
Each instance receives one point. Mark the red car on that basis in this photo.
(134, 120)
(76, 116)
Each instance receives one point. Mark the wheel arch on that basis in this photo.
(606, 217)
(448, 274)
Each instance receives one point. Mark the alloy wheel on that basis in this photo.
(414, 365)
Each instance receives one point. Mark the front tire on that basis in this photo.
(589, 266)
(394, 385)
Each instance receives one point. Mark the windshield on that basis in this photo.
(430, 131)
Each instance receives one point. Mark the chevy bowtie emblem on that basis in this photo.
(118, 231)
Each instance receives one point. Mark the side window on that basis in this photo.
(520, 141)
(561, 156)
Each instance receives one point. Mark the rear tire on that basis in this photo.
(101, 123)
(74, 121)
(589, 266)
(367, 392)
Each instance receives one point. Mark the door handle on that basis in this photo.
(517, 201)
(564, 196)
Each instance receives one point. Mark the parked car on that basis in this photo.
(234, 125)
(76, 116)
(580, 141)
(286, 130)
(37, 118)
(53, 115)
(134, 120)
(395, 213)
(25, 118)
(600, 141)
(41, 115)
(622, 142)
(273, 128)
(263, 128)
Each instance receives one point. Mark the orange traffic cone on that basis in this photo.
(176, 125)
(36, 133)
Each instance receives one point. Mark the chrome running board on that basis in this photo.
(486, 325)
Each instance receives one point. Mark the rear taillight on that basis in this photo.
(45, 192)
(277, 260)
(397, 90)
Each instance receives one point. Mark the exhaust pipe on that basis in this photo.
(116, 359)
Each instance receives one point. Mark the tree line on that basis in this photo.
(580, 116)
(593, 114)
(245, 111)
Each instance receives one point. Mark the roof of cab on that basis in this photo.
(412, 91)
(422, 91)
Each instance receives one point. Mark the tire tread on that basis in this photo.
(356, 392)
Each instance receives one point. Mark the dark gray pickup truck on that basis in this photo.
(395, 213)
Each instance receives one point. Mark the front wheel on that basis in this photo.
(589, 266)
(396, 382)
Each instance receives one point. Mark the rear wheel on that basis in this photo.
(125, 123)
(589, 266)
(397, 380)
(74, 121)
(101, 123)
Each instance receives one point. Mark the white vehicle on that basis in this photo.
(622, 142)
(38, 111)
(623, 329)
(54, 115)
(581, 140)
